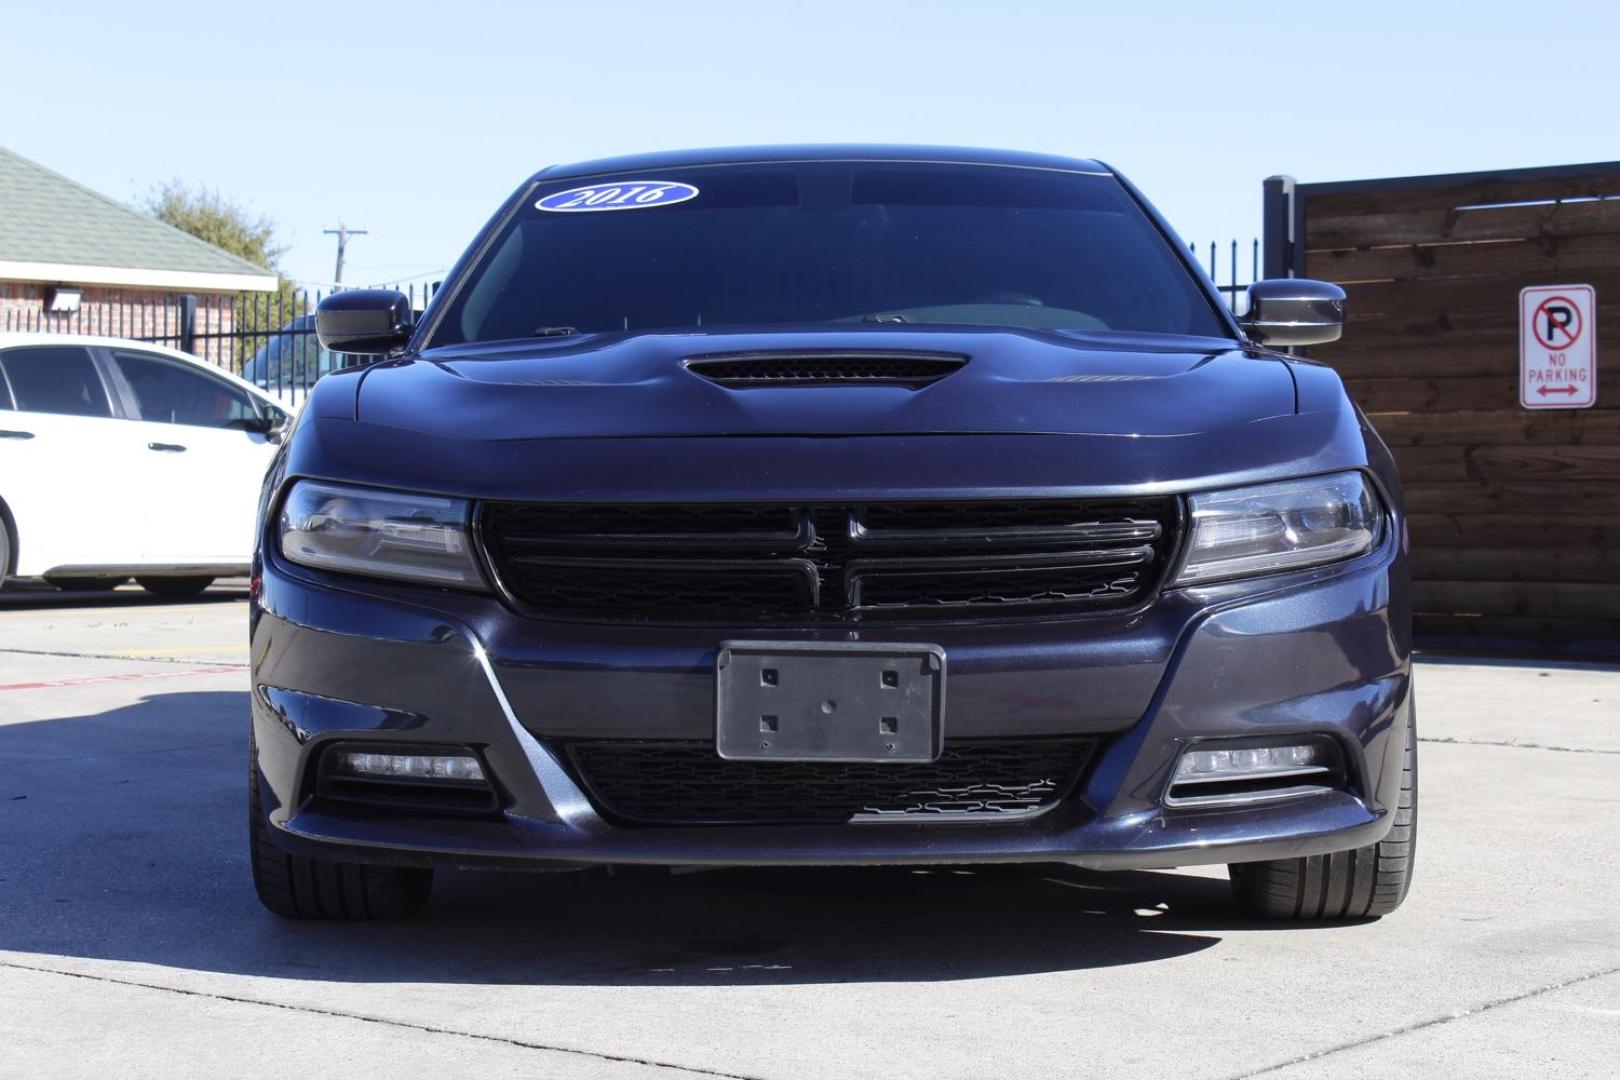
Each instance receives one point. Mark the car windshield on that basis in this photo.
(828, 242)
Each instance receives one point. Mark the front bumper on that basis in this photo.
(1323, 652)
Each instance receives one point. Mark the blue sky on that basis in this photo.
(414, 120)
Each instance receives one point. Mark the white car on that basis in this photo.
(121, 459)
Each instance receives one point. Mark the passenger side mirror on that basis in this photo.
(276, 430)
(367, 322)
(1294, 311)
(272, 424)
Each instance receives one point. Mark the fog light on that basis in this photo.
(1250, 761)
(412, 766)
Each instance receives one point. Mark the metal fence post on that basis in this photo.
(188, 323)
(1277, 227)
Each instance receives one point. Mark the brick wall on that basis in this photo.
(150, 314)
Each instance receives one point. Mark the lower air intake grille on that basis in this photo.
(686, 782)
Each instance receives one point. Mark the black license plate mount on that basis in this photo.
(829, 701)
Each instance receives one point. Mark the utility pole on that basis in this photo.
(342, 232)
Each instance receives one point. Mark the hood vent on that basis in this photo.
(746, 371)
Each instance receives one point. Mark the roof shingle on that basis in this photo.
(47, 218)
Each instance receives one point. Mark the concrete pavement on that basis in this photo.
(131, 943)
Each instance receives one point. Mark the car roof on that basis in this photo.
(741, 155)
(12, 339)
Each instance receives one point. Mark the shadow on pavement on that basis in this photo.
(37, 596)
(123, 837)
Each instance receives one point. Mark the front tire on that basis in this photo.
(303, 887)
(178, 588)
(1364, 883)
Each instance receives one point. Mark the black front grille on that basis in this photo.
(751, 563)
(686, 782)
(914, 370)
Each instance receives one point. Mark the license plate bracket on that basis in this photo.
(829, 701)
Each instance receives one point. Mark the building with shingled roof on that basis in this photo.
(75, 261)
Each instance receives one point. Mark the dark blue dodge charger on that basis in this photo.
(831, 505)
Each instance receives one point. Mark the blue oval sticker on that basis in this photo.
(617, 195)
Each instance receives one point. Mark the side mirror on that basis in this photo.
(277, 427)
(272, 425)
(1294, 311)
(367, 322)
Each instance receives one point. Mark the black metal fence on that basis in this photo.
(266, 338)
(1230, 260)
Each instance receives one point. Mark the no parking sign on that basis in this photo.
(1557, 347)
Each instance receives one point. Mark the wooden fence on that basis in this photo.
(1515, 514)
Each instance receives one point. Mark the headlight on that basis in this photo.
(379, 533)
(1283, 526)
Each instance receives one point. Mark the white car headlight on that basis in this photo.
(1263, 529)
(391, 534)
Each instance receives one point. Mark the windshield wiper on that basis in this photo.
(885, 317)
(555, 331)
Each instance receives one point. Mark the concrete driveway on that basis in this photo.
(131, 943)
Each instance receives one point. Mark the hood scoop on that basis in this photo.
(747, 371)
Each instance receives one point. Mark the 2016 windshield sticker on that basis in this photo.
(619, 195)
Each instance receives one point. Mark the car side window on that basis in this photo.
(170, 392)
(58, 379)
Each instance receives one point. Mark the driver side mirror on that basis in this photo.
(1294, 311)
(366, 322)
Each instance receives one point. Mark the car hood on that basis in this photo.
(1012, 382)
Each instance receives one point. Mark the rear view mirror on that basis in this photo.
(1294, 311)
(366, 322)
